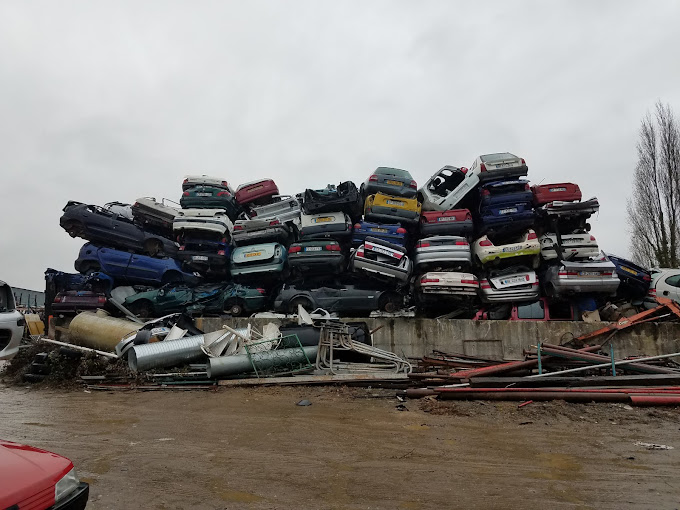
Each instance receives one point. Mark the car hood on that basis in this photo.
(26, 471)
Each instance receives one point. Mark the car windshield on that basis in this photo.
(501, 156)
(393, 171)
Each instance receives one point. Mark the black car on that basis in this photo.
(320, 257)
(338, 298)
(390, 181)
(345, 197)
(100, 225)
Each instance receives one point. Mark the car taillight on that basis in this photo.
(357, 226)
(652, 292)
(462, 243)
(532, 236)
(463, 169)
(592, 238)
(485, 192)
(607, 273)
(469, 282)
(186, 194)
(58, 299)
(101, 300)
(413, 185)
(429, 280)
(222, 252)
(238, 227)
(526, 277)
(360, 252)
(485, 242)
(482, 167)
(261, 291)
(535, 284)
(523, 162)
(373, 178)
(274, 222)
(401, 230)
(423, 244)
(527, 187)
(568, 273)
(294, 249)
(333, 247)
(223, 194)
(647, 278)
(484, 284)
(181, 248)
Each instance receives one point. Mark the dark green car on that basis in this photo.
(232, 299)
(210, 197)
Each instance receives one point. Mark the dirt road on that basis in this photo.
(351, 449)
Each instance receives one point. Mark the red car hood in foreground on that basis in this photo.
(28, 475)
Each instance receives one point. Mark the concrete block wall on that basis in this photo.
(415, 338)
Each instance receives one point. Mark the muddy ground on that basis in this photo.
(351, 449)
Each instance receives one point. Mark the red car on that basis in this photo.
(34, 479)
(257, 192)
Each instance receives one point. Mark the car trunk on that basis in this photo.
(256, 254)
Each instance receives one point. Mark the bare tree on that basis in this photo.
(654, 207)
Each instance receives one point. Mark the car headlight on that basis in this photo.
(68, 483)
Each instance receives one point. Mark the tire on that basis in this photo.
(153, 247)
(305, 302)
(388, 302)
(234, 308)
(142, 309)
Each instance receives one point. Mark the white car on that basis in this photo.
(574, 246)
(213, 221)
(205, 180)
(526, 245)
(665, 283)
(435, 286)
(378, 258)
(285, 208)
(448, 186)
(11, 323)
(509, 285)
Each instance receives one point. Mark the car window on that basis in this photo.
(560, 311)
(531, 311)
(674, 281)
(490, 158)
(6, 299)
(393, 171)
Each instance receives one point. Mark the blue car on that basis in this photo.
(505, 192)
(58, 281)
(130, 268)
(505, 206)
(391, 232)
(635, 280)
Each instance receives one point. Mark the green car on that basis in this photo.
(210, 197)
(232, 299)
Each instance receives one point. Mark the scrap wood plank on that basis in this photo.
(316, 379)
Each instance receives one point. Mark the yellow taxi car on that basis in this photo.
(383, 208)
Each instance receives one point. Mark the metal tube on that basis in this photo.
(608, 364)
(243, 363)
(166, 354)
(654, 400)
(537, 395)
(589, 357)
(664, 390)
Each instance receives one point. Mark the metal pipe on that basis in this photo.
(166, 354)
(654, 400)
(99, 330)
(243, 363)
(594, 358)
(537, 395)
(608, 364)
(663, 390)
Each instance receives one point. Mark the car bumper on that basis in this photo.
(443, 257)
(380, 268)
(529, 252)
(199, 226)
(583, 285)
(451, 228)
(325, 231)
(77, 500)
(381, 214)
(266, 235)
(276, 268)
(571, 253)
(330, 261)
(447, 290)
(509, 295)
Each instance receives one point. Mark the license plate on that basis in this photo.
(508, 210)
(313, 248)
(381, 230)
(447, 218)
(516, 279)
(253, 254)
(323, 219)
(250, 190)
(504, 165)
(203, 194)
(395, 183)
(512, 248)
(555, 190)
(395, 202)
(589, 273)
(628, 270)
(200, 258)
(380, 249)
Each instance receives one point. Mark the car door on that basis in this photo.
(454, 198)
(669, 287)
(330, 299)
(114, 262)
(145, 268)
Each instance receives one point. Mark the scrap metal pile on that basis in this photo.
(575, 372)
(478, 242)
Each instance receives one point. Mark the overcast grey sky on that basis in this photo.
(103, 101)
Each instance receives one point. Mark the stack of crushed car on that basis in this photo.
(469, 236)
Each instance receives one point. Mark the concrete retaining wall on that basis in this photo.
(490, 339)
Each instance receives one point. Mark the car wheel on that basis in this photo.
(389, 303)
(153, 247)
(233, 308)
(142, 309)
(74, 228)
(306, 304)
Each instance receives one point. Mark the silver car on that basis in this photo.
(381, 259)
(261, 231)
(286, 209)
(516, 283)
(11, 323)
(443, 252)
(587, 276)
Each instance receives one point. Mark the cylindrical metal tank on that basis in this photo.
(166, 354)
(241, 363)
(98, 330)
